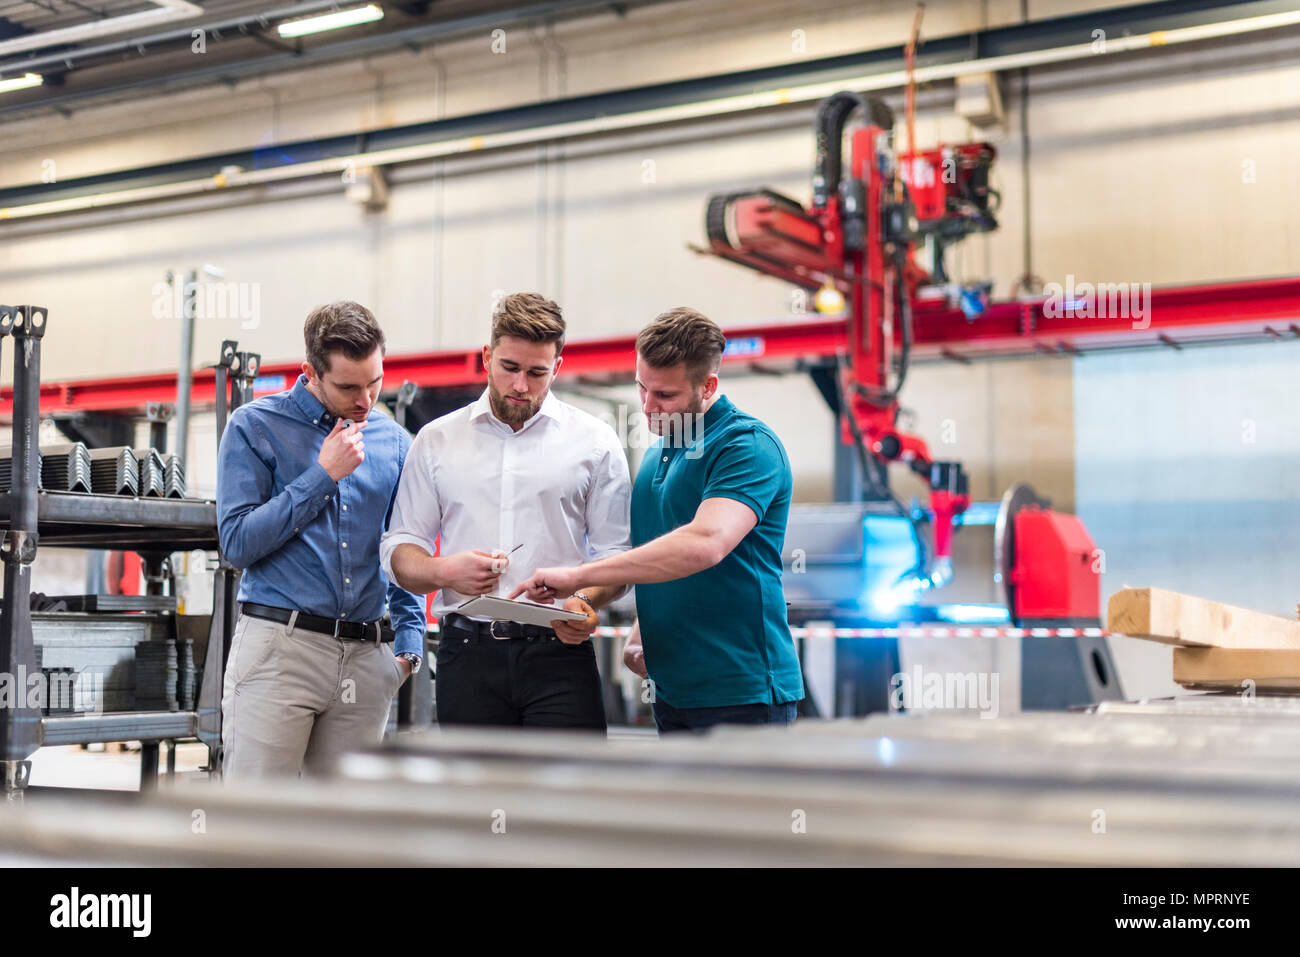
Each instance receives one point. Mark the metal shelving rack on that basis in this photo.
(154, 528)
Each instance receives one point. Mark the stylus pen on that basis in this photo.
(508, 554)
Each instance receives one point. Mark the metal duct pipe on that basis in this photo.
(168, 10)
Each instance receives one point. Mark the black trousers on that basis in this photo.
(533, 682)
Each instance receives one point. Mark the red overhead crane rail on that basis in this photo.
(1178, 315)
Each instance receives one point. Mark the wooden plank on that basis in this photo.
(1228, 669)
(1166, 616)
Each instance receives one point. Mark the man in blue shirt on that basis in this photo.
(709, 511)
(302, 499)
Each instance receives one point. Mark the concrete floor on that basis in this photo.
(106, 769)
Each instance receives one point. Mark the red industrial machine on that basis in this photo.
(855, 244)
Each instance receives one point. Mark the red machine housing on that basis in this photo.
(948, 184)
(1057, 567)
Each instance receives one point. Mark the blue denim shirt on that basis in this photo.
(304, 540)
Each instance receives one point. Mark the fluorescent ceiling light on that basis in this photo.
(331, 21)
(21, 82)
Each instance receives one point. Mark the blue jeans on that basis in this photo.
(698, 720)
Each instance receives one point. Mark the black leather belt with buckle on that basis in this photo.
(334, 627)
(459, 624)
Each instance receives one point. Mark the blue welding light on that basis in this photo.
(888, 552)
(889, 599)
(974, 614)
(973, 302)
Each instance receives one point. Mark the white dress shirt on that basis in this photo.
(559, 487)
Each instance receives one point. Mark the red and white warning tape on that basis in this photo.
(918, 631)
(908, 631)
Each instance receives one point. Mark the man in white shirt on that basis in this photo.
(515, 469)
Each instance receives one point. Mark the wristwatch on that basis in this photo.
(581, 596)
(414, 659)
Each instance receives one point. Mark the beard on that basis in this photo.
(676, 426)
(510, 413)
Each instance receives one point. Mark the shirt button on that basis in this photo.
(347, 581)
(665, 458)
(345, 508)
(345, 544)
(327, 498)
(295, 531)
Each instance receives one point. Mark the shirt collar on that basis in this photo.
(482, 408)
(720, 409)
(310, 405)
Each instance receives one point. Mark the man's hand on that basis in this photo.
(634, 656)
(406, 669)
(474, 573)
(342, 451)
(548, 584)
(576, 632)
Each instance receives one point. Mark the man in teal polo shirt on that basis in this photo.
(709, 512)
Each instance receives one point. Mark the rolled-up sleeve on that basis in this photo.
(251, 522)
(416, 516)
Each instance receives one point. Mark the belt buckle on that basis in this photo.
(492, 629)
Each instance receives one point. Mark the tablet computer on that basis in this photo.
(524, 612)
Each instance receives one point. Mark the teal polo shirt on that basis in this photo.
(719, 637)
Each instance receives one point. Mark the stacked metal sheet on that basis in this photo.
(114, 471)
(101, 647)
(186, 684)
(60, 690)
(173, 477)
(66, 468)
(7, 469)
(101, 604)
(153, 473)
(156, 674)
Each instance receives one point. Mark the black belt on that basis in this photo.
(459, 624)
(334, 627)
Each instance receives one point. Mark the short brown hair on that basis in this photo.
(343, 326)
(683, 335)
(528, 316)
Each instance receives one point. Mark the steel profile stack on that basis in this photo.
(7, 469)
(153, 473)
(186, 684)
(173, 477)
(114, 471)
(156, 676)
(66, 468)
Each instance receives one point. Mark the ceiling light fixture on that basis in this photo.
(21, 82)
(335, 20)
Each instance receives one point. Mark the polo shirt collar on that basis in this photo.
(720, 409)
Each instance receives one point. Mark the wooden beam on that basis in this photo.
(1166, 616)
(1228, 669)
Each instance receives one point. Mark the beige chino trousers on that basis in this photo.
(294, 700)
